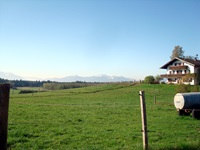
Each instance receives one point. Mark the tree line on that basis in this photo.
(48, 85)
(24, 83)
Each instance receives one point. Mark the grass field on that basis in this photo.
(98, 118)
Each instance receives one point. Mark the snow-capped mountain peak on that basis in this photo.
(74, 78)
(10, 76)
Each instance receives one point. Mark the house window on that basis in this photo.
(179, 72)
(177, 64)
(187, 79)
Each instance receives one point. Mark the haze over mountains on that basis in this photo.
(99, 78)
(10, 76)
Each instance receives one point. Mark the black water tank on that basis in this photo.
(187, 100)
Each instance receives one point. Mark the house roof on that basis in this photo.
(195, 63)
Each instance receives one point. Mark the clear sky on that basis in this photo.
(131, 38)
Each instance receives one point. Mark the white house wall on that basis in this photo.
(191, 83)
(190, 69)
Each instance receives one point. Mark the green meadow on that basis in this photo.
(99, 117)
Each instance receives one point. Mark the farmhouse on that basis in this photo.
(181, 70)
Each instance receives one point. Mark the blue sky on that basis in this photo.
(131, 38)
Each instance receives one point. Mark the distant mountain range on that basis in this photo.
(10, 76)
(99, 78)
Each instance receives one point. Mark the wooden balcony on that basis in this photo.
(187, 75)
(178, 67)
(172, 75)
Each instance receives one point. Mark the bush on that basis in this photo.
(183, 88)
(195, 88)
(149, 79)
(26, 91)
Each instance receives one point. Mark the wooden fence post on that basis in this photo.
(144, 120)
(155, 99)
(4, 102)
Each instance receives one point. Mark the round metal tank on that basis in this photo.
(187, 100)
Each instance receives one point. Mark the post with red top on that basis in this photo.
(144, 120)
(4, 103)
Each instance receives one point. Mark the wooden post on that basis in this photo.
(4, 102)
(144, 120)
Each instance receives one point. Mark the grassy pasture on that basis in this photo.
(99, 117)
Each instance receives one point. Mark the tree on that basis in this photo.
(149, 79)
(177, 52)
(158, 78)
(190, 57)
